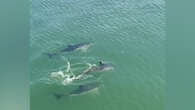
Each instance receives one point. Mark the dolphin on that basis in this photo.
(80, 90)
(104, 67)
(100, 68)
(94, 69)
(83, 89)
(81, 46)
(70, 48)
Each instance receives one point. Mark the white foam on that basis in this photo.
(68, 79)
(57, 75)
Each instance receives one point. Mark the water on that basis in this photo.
(130, 34)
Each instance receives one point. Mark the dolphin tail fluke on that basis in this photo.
(50, 55)
(58, 96)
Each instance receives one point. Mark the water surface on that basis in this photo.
(130, 34)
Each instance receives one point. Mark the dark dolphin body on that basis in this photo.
(80, 90)
(71, 48)
(85, 88)
(105, 67)
(101, 67)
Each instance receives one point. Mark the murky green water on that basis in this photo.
(130, 34)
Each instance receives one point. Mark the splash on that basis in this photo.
(68, 77)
